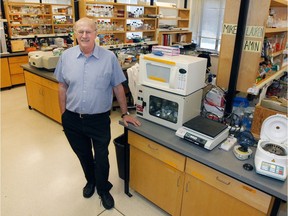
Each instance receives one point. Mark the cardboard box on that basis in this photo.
(17, 46)
(260, 114)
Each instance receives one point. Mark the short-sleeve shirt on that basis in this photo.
(89, 79)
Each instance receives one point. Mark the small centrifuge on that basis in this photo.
(271, 153)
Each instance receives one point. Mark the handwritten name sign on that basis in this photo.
(230, 29)
(250, 31)
(256, 32)
(252, 46)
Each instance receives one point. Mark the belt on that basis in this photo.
(80, 115)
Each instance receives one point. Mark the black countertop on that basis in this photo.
(6, 55)
(218, 159)
(49, 74)
(40, 72)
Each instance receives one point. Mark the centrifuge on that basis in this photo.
(271, 154)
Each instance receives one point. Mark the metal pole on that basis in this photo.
(238, 47)
(185, 3)
(76, 9)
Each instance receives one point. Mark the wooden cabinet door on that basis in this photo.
(209, 192)
(5, 73)
(155, 180)
(52, 108)
(201, 199)
(42, 95)
(35, 95)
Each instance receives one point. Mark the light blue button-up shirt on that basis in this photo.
(89, 79)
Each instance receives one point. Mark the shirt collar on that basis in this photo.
(95, 52)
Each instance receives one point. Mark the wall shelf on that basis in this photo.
(26, 20)
(116, 22)
(39, 36)
(130, 17)
(251, 55)
(169, 38)
(275, 30)
(279, 3)
(266, 82)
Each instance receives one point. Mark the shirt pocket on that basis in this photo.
(102, 82)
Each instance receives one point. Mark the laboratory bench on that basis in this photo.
(171, 172)
(185, 179)
(42, 91)
(11, 70)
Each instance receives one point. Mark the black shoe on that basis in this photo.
(88, 190)
(107, 200)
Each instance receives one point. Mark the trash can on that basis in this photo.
(120, 155)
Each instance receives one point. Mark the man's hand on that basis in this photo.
(130, 119)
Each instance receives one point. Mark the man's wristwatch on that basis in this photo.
(124, 114)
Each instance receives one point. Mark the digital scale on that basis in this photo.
(271, 154)
(203, 132)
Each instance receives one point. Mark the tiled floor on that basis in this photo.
(41, 175)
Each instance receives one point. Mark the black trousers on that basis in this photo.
(84, 132)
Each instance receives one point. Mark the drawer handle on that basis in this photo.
(156, 149)
(178, 181)
(222, 181)
(187, 186)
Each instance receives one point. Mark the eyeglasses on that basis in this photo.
(87, 32)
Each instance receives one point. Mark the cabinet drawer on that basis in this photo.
(50, 84)
(42, 81)
(32, 77)
(17, 79)
(15, 64)
(228, 185)
(18, 59)
(161, 153)
(16, 68)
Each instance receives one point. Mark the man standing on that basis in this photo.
(88, 75)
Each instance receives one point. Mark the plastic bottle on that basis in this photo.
(97, 41)
(141, 12)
